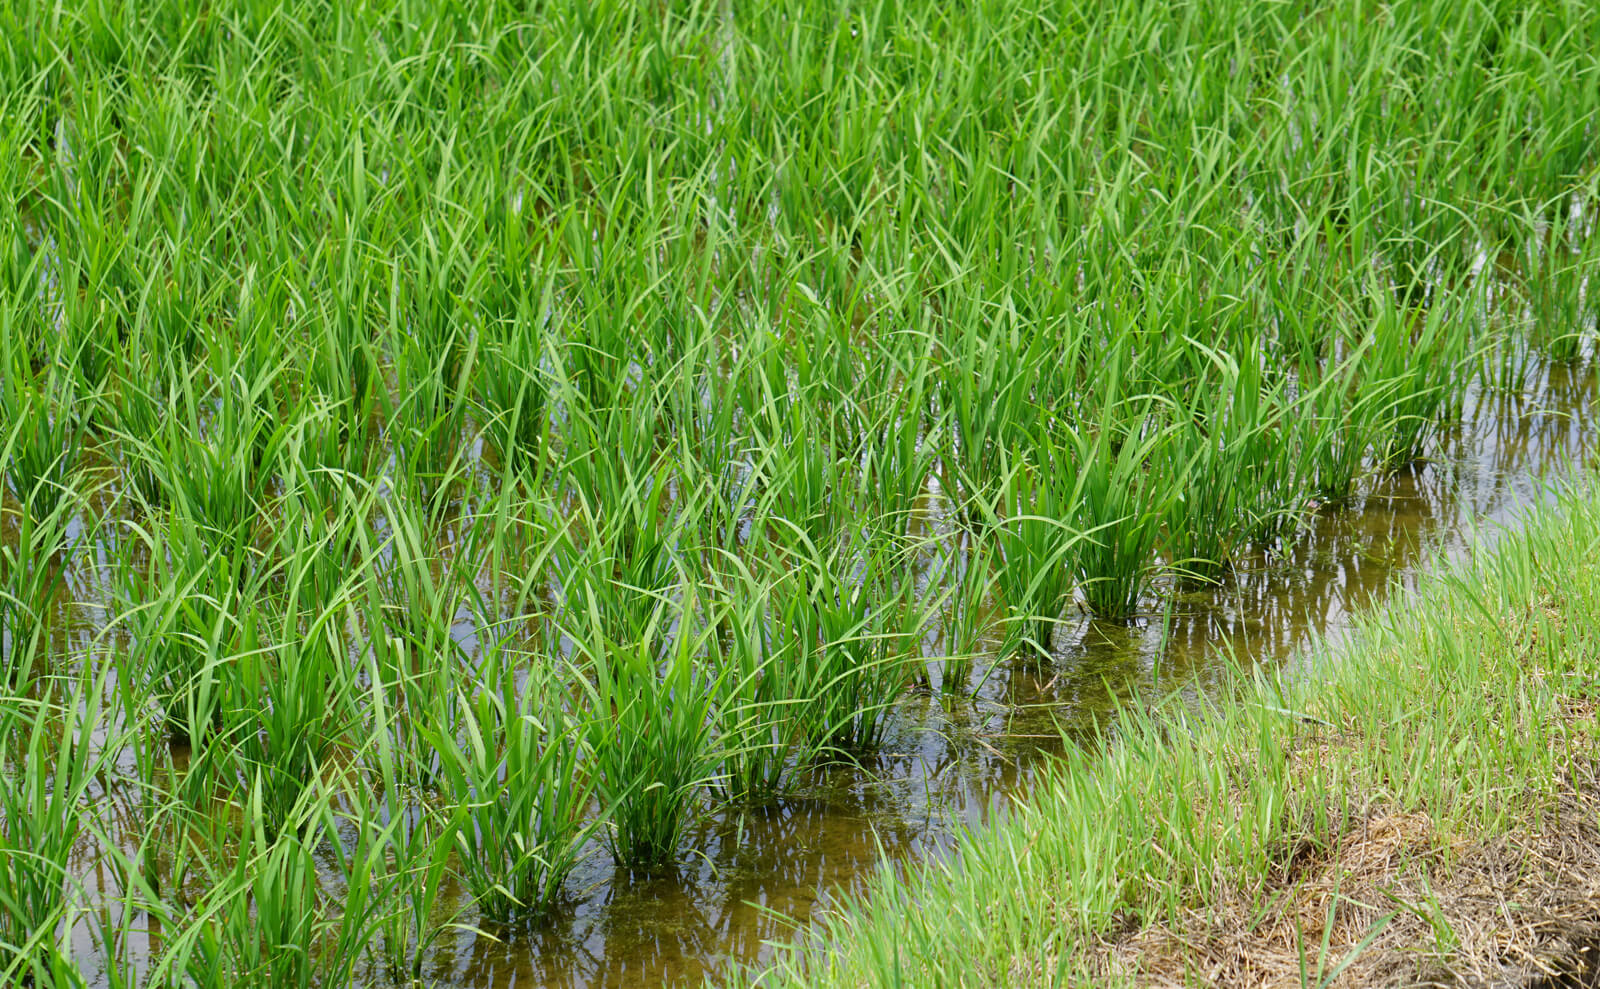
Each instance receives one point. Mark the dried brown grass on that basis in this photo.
(1433, 909)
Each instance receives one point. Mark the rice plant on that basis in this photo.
(1422, 364)
(265, 919)
(397, 866)
(1035, 547)
(44, 438)
(647, 703)
(1234, 449)
(412, 601)
(294, 694)
(764, 720)
(514, 766)
(180, 608)
(1561, 289)
(426, 421)
(214, 454)
(1347, 416)
(967, 617)
(50, 768)
(865, 614)
(616, 558)
(513, 386)
(843, 622)
(35, 560)
(1122, 505)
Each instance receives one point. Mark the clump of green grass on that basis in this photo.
(181, 603)
(617, 557)
(1347, 420)
(1421, 364)
(44, 441)
(397, 866)
(295, 688)
(513, 386)
(264, 918)
(761, 712)
(34, 563)
(413, 600)
(1234, 448)
(967, 617)
(1561, 287)
(214, 451)
(426, 422)
(984, 390)
(853, 622)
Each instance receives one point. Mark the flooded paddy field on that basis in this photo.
(949, 760)
(498, 497)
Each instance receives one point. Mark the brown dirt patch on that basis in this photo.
(1522, 910)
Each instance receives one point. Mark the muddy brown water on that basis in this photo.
(951, 760)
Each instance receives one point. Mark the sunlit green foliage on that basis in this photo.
(423, 396)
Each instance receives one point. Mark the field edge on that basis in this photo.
(1424, 808)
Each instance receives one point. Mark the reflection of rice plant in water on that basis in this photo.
(395, 407)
